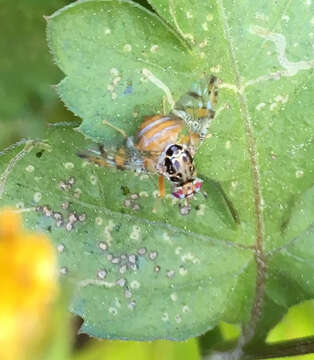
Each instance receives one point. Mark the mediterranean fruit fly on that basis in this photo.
(166, 144)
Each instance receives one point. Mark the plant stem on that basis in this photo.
(293, 347)
(300, 346)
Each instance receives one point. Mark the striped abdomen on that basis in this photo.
(157, 132)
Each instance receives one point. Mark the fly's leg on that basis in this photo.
(212, 101)
(102, 150)
(161, 186)
(213, 90)
(116, 128)
(134, 161)
(162, 192)
(164, 106)
(196, 108)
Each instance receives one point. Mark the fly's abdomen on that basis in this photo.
(157, 132)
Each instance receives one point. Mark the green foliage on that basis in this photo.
(163, 291)
(105, 64)
(55, 342)
(296, 323)
(119, 350)
(119, 60)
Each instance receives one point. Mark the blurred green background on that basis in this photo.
(28, 101)
(28, 104)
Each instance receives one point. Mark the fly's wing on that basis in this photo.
(124, 158)
(196, 106)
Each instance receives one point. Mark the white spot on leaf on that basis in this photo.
(63, 270)
(30, 168)
(135, 284)
(178, 319)
(102, 274)
(93, 179)
(228, 144)
(299, 173)
(68, 165)
(189, 15)
(183, 271)
(154, 48)
(178, 250)
(114, 72)
(215, 69)
(260, 106)
(37, 197)
(127, 48)
(174, 297)
(98, 221)
(60, 248)
(113, 311)
(135, 234)
(200, 211)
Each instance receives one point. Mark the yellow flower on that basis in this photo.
(28, 285)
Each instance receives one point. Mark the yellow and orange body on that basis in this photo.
(159, 131)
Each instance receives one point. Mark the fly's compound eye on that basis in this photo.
(197, 184)
(178, 193)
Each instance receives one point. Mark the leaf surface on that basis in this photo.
(132, 271)
(260, 151)
(119, 60)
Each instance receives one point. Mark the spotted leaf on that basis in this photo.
(120, 60)
(145, 271)
(137, 276)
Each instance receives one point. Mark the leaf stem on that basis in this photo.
(257, 308)
(293, 347)
(229, 350)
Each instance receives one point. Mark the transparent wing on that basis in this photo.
(124, 158)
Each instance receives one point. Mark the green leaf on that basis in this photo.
(166, 350)
(260, 151)
(56, 343)
(119, 60)
(137, 277)
(296, 324)
(301, 217)
(269, 66)
(292, 263)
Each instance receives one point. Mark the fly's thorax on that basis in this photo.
(176, 164)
